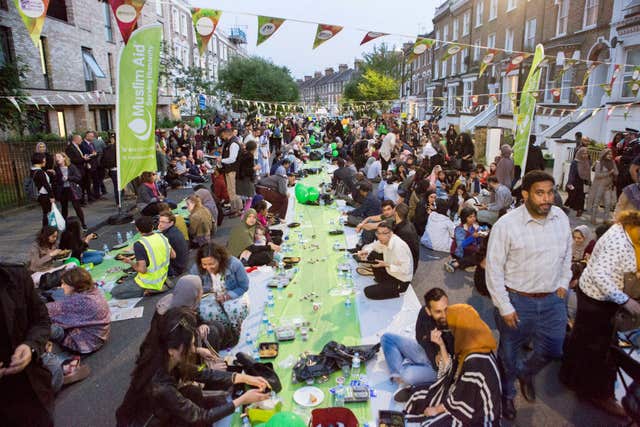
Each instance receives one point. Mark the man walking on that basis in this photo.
(528, 271)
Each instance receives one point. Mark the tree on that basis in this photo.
(374, 86)
(257, 79)
(11, 75)
(384, 60)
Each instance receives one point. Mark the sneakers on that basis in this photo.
(402, 395)
(450, 267)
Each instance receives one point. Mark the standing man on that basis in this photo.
(109, 163)
(89, 149)
(229, 160)
(100, 145)
(528, 272)
(79, 159)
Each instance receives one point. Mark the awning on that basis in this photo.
(91, 64)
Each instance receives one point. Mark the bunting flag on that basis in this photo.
(33, 13)
(494, 98)
(451, 50)
(267, 26)
(555, 92)
(419, 47)
(568, 63)
(515, 61)
(626, 111)
(205, 22)
(634, 84)
(324, 33)
(371, 35)
(588, 72)
(126, 13)
(487, 60)
(610, 111)
(514, 104)
(527, 110)
(546, 61)
(474, 100)
(607, 88)
(580, 91)
(614, 75)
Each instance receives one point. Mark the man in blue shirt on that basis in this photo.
(370, 205)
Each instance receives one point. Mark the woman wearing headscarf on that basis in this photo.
(200, 222)
(504, 166)
(433, 177)
(604, 179)
(468, 392)
(583, 243)
(579, 176)
(209, 202)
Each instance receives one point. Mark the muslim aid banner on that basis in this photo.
(267, 26)
(126, 13)
(33, 13)
(138, 67)
(527, 110)
(420, 46)
(487, 60)
(205, 22)
(324, 33)
(372, 35)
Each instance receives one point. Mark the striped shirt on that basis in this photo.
(528, 255)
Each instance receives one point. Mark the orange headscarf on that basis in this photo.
(470, 333)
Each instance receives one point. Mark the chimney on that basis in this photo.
(307, 78)
(343, 67)
(317, 74)
(328, 71)
(357, 64)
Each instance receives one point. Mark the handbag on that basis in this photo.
(260, 369)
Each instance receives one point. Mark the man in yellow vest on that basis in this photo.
(151, 263)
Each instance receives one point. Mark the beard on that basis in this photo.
(442, 323)
(542, 209)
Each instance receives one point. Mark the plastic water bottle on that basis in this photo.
(355, 367)
(248, 340)
(321, 201)
(339, 395)
(269, 328)
(270, 300)
(256, 354)
(265, 319)
(245, 421)
(105, 249)
(347, 303)
(119, 238)
(129, 235)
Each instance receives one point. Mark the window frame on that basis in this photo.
(562, 20)
(108, 22)
(466, 23)
(587, 7)
(8, 47)
(55, 9)
(477, 56)
(528, 36)
(452, 93)
(467, 93)
(509, 36)
(512, 5)
(492, 37)
(479, 14)
(627, 73)
(493, 10)
(455, 27)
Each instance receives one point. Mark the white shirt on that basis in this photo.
(528, 255)
(388, 142)
(438, 233)
(612, 257)
(428, 150)
(391, 191)
(233, 153)
(374, 170)
(397, 254)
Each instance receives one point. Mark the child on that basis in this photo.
(260, 253)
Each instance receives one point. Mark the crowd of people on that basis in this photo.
(408, 185)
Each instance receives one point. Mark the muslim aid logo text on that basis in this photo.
(142, 95)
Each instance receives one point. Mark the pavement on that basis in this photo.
(93, 402)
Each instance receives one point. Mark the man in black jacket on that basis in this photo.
(25, 384)
(407, 232)
(109, 164)
(415, 362)
(166, 225)
(79, 159)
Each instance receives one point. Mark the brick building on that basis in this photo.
(325, 90)
(74, 65)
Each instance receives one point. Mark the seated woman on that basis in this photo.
(188, 293)
(243, 235)
(149, 195)
(456, 201)
(259, 253)
(155, 396)
(42, 253)
(200, 222)
(441, 185)
(209, 203)
(81, 321)
(439, 230)
(72, 238)
(425, 206)
(465, 242)
(262, 213)
(225, 281)
(469, 391)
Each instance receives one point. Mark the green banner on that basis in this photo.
(138, 68)
(527, 110)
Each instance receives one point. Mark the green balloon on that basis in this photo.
(302, 193)
(313, 194)
(335, 153)
(333, 145)
(72, 260)
(285, 419)
(204, 122)
(197, 121)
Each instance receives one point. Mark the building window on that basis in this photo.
(466, 23)
(511, 4)
(508, 40)
(108, 29)
(437, 39)
(530, 34)
(445, 33)
(430, 99)
(451, 99)
(185, 56)
(158, 8)
(563, 17)
(565, 86)
(454, 29)
(436, 72)
(454, 64)
(57, 9)
(479, 12)
(62, 126)
(464, 58)
(476, 50)
(493, 9)
(467, 92)
(175, 20)
(509, 86)
(183, 24)
(91, 69)
(590, 13)
(491, 40)
(112, 77)
(633, 57)
(44, 63)
(6, 46)
(444, 69)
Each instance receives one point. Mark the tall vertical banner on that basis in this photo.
(205, 22)
(138, 68)
(126, 13)
(527, 110)
(267, 26)
(33, 13)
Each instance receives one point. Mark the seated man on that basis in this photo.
(392, 273)
(489, 214)
(167, 226)
(274, 190)
(344, 178)
(183, 169)
(151, 263)
(407, 232)
(416, 362)
(370, 205)
(369, 225)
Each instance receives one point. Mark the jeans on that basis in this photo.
(57, 333)
(543, 323)
(94, 257)
(53, 363)
(407, 359)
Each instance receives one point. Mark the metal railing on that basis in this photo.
(15, 165)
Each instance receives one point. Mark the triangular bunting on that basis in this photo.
(371, 35)
(205, 22)
(267, 26)
(324, 33)
(451, 50)
(515, 61)
(419, 47)
(487, 60)
(33, 14)
(126, 13)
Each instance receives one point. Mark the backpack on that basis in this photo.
(30, 189)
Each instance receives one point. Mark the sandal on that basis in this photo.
(74, 371)
(364, 271)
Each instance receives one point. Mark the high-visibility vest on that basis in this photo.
(159, 253)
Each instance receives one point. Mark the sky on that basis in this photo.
(291, 45)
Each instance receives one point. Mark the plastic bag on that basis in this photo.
(55, 218)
